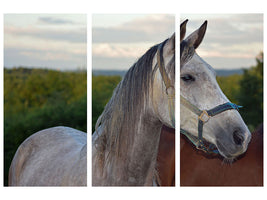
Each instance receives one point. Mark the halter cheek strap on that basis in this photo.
(170, 90)
(203, 117)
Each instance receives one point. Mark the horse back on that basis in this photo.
(51, 157)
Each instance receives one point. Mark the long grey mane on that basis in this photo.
(120, 116)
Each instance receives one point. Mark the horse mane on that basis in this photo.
(120, 116)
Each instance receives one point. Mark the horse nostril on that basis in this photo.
(238, 138)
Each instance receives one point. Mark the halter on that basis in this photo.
(203, 117)
(167, 83)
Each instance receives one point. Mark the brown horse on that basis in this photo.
(166, 157)
(199, 169)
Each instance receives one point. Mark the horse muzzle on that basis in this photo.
(235, 144)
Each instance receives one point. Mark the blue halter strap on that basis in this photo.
(203, 117)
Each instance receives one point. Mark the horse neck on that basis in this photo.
(143, 155)
(136, 162)
(130, 135)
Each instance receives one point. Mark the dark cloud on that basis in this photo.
(76, 36)
(53, 20)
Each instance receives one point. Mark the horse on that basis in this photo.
(125, 143)
(51, 157)
(207, 118)
(166, 157)
(198, 169)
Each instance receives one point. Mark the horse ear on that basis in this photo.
(183, 30)
(195, 38)
(172, 41)
(169, 47)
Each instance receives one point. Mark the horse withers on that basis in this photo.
(51, 157)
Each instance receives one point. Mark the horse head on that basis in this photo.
(163, 91)
(206, 113)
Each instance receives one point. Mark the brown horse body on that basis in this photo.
(199, 169)
(166, 157)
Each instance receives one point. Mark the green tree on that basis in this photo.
(35, 99)
(251, 94)
(102, 89)
(230, 86)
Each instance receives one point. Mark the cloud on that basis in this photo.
(150, 24)
(230, 63)
(30, 46)
(70, 35)
(119, 46)
(32, 43)
(147, 29)
(66, 34)
(52, 41)
(237, 37)
(243, 50)
(122, 63)
(119, 50)
(53, 20)
(42, 58)
(233, 29)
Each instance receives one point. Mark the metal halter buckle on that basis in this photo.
(201, 146)
(169, 93)
(204, 117)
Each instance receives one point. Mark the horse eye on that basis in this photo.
(187, 78)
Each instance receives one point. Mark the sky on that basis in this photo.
(118, 40)
(231, 41)
(58, 41)
(53, 41)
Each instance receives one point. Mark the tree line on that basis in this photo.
(247, 90)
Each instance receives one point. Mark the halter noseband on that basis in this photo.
(167, 83)
(203, 117)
